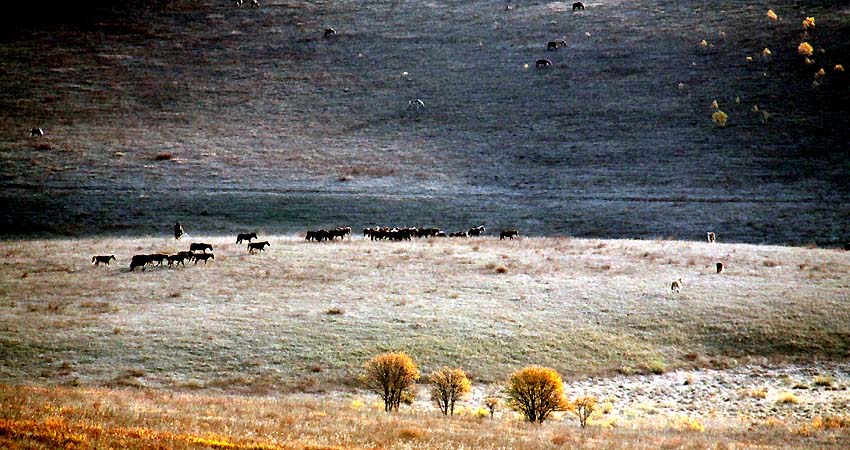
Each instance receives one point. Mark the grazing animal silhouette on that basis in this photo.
(179, 258)
(97, 260)
(204, 257)
(245, 236)
(139, 261)
(159, 258)
(711, 237)
(578, 5)
(36, 132)
(330, 32)
(476, 231)
(200, 246)
(542, 63)
(261, 246)
(677, 285)
(508, 234)
(553, 45)
(178, 230)
(459, 234)
(719, 267)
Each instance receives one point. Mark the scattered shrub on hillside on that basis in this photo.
(714, 105)
(45, 146)
(809, 61)
(820, 73)
(772, 15)
(334, 311)
(447, 387)
(501, 269)
(656, 367)
(766, 52)
(838, 68)
(391, 376)
(686, 423)
(805, 49)
(703, 43)
(583, 407)
(770, 263)
(536, 392)
(163, 157)
(492, 404)
(808, 22)
(787, 398)
(719, 118)
(411, 433)
(824, 380)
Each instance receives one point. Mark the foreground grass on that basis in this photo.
(139, 419)
(304, 316)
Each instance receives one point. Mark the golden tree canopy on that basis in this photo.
(536, 392)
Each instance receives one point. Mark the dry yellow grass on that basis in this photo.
(46, 418)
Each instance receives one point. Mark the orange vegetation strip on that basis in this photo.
(55, 431)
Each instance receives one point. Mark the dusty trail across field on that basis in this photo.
(261, 122)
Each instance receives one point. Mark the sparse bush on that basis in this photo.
(766, 52)
(334, 311)
(411, 433)
(805, 49)
(656, 367)
(501, 269)
(719, 118)
(824, 380)
(838, 68)
(688, 424)
(787, 398)
(583, 407)
(536, 392)
(492, 404)
(447, 387)
(163, 157)
(391, 376)
(772, 15)
(808, 22)
(820, 73)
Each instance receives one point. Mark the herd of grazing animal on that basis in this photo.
(407, 233)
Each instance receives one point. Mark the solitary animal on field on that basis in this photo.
(36, 132)
(178, 230)
(139, 261)
(245, 236)
(719, 267)
(416, 103)
(710, 235)
(578, 5)
(330, 32)
(553, 45)
(542, 63)
(261, 246)
(508, 234)
(200, 246)
(96, 260)
(204, 257)
(677, 285)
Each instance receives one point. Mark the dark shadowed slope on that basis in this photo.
(259, 121)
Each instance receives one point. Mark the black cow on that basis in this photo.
(200, 246)
(261, 246)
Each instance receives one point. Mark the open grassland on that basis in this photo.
(305, 316)
(226, 117)
(82, 418)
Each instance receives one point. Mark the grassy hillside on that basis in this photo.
(269, 125)
(304, 316)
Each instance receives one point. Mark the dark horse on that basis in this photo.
(578, 5)
(542, 63)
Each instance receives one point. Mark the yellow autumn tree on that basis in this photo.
(447, 387)
(536, 392)
(583, 407)
(391, 376)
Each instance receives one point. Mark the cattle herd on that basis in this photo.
(198, 250)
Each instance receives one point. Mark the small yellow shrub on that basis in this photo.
(357, 404)
(772, 15)
(805, 49)
(820, 73)
(766, 52)
(838, 68)
(703, 43)
(809, 22)
(787, 398)
(686, 423)
(719, 118)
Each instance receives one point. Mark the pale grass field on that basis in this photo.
(42, 418)
(264, 350)
(259, 323)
